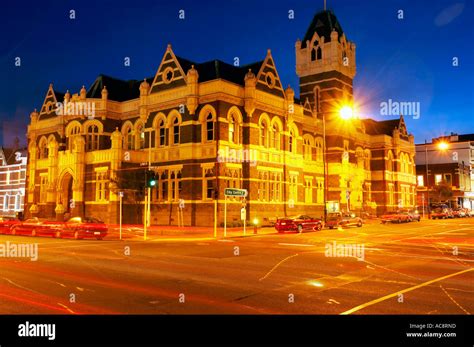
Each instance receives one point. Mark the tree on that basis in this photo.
(131, 181)
(443, 191)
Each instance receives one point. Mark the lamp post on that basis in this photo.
(442, 146)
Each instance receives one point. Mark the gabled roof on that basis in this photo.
(373, 127)
(323, 23)
(218, 69)
(118, 90)
(10, 156)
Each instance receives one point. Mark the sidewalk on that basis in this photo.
(186, 233)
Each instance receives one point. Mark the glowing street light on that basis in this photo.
(346, 112)
(443, 146)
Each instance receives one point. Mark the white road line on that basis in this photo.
(277, 265)
(449, 296)
(383, 298)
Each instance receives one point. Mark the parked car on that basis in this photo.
(32, 227)
(6, 224)
(340, 219)
(459, 213)
(440, 213)
(413, 215)
(298, 223)
(80, 228)
(395, 217)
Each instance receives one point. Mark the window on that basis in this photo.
(43, 148)
(320, 191)
(438, 179)
(92, 138)
(389, 164)
(76, 130)
(175, 186)
(319, 149)
(447, 178)
(43, 187)
(232, 132)
(175, 128)
(264, 133)
(18, 202)
(209, 127)
(291, 142)
(420, 181)
(276, 136)
(128, 138)
(208, 183)
(161, 133)
(319, 54)
(163, 187)
(294, 188)
(308, 190)
(101, 186)
(6, 201)
(141, 136)
(307, 149)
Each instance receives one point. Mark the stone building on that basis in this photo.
(12, 180)
(203, 127)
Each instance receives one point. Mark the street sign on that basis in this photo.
(121, 194)
(235, 192)
(243, 214)
(181, 203)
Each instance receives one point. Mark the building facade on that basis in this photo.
(12, 180)
(450, 164)
(204, 127)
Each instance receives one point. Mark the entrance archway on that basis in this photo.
(65, 191)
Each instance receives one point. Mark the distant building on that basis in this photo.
(12, 180)
(450, 161)
(209, 126)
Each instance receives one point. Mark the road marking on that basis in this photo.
(383, 298)
(277, 265)
(67, 308)
(449, 296)
(226, 240)
(296, 244)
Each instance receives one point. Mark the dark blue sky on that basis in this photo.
(402, 60)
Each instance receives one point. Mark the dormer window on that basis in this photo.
(316, 53)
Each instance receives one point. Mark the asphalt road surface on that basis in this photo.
(416, 268)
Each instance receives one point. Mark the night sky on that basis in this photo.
(408, 60)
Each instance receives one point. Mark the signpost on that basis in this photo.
(232, 192)
(120, 214)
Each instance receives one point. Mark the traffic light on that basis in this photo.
(151, 179)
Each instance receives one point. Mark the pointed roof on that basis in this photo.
(118, 90)
(373, 127)
(323, 23)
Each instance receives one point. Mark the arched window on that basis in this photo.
(209, 127)
(161, 133)
(17, 202)
(292, 142)
(367, 159)
(140, 136)
(319, 149)
(389, 165)
(43, 148)
(313, 54)
(73, 131)
(92, 138)
(319, 54)
(307, 147)
(360, 158)
(175, 131)
(264, 133)
(128, 138)
(276, 135)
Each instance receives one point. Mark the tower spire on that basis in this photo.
(324, 5)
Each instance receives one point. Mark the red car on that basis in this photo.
(6, 224)
(80, 228)
(32, 227)
(395, 217)
(298, 223)
(440, 213)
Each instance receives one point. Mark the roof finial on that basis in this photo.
(324, 5)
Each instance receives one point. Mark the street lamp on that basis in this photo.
(346, 112)
(442, 146)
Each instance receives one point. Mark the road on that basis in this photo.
(417, 268)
